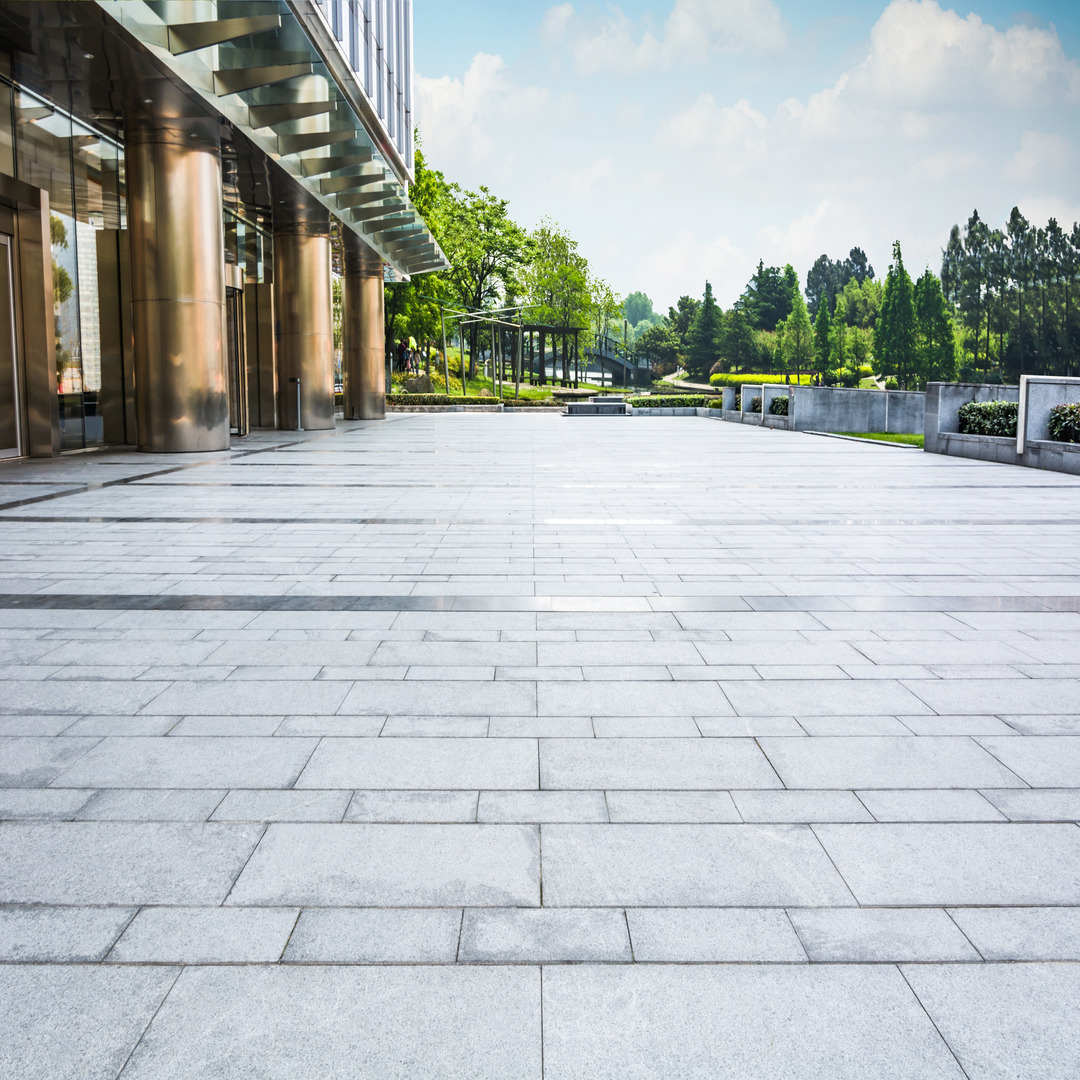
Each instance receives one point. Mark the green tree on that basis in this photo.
(822, 326)
(660, 346)
(636, 307)
(767, 297)
(703, 341)
(935, 334)
(839, 354)
(681, 317)
(798, 335)
(894, 338)
(738, 345)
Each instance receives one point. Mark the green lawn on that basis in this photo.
(881, 436)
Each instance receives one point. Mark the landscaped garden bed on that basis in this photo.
(998, 418)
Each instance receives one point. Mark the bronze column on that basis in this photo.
(177, 284)
(363, 343)
(305, 335)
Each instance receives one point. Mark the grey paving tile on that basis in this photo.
(467, 698)
(247, 699)
(541, 727)
(687, 865)
(625, 653)
(25, 804)
(131, 726)
(713, 935)
(543, 936)
(998, 696)
(32, 762)
(153, 804)
(272, 805)
(756, 1023)
(439, 807)
(1048, 724)
(880, 935)
(1041, 805)
(79, 697)
(631, 699)
(679, 807)
(461, 727)
(951, 864)
(852, 725)
(393, 865)
(1030, 933)
(59, 934)
(799, 806)
(957, 725)
(35, 725)
(422, 763)
(209, 935)
(825, 698)
(204, 762)
(886, 763)
(929, 805)
(537, 806)
(645, 727)
(1005, 1020)
(125, 863)
(227, 726)
(75, 1022)
(1050, 761)
(375, 936)
(393, 1023)
(334, 726)
(726, 727)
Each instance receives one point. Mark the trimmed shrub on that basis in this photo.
(891, 384)
(452, 399)
(752, 379)
(715, 403)
(672, 401)
(755, 404)
(989, 418)
(738, 402)
(1065, 422)
(779, 405)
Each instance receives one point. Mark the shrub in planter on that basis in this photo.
(738, 402)
(1065, 422)
(989, 418)
(755, 404)
(716, 403)
(672, 401)
(779, 405)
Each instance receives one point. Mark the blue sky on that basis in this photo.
(685, 139)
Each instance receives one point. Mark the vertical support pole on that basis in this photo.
(445, 359)
(518, 364)
(177, 250)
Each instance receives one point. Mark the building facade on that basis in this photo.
(179, 181)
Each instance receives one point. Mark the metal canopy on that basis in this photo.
(255, 67)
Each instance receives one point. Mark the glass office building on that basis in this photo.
(176, 181)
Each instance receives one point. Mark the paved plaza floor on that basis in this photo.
(513, 746)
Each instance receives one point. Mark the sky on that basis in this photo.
(685, 140)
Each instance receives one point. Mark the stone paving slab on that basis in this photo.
(416, 767)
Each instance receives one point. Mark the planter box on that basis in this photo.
(443, 408)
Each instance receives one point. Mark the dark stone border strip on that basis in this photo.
(567, 604)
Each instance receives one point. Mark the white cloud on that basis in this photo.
(1041, 157)
(695, 173)
(694, 30)
(924, 57)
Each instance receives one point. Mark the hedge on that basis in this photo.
(779, 405)
(771, 379)
(989, 418)
(453, 399)
(672, 401)
(1065, 422)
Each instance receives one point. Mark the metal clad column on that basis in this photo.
(363, 344)
(372, 349)
(176, 241)
(305, 334)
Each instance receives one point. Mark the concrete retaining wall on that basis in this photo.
(834, 408)
(1037, 395)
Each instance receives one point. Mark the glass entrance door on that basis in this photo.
(9, 373)
(234, 344)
